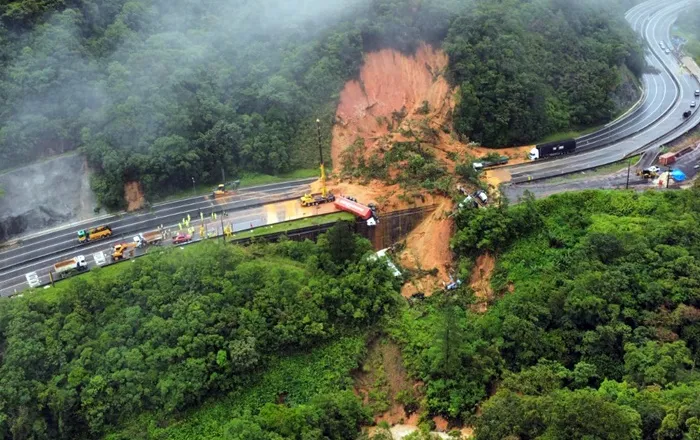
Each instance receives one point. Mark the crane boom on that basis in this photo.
(324, 196)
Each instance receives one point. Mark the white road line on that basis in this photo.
(88, 247)
(194, 201)
(130, 225)
(253, 216)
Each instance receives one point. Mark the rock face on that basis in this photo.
(627, 92)
(45, 194)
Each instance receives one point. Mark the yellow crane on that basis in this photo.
(324, 196)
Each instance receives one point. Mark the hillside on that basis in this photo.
(159, 92)
(591, 330)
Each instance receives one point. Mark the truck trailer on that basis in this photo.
(362, 211)
(70, 267)
(551, 149)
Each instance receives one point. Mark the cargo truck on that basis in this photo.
(149, 238)
(70, 267)
(551, 149)
(93, 234)
(347, 205)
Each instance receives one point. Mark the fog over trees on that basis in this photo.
(158, 91)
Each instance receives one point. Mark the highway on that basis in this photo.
(37, 253)
(669, 89)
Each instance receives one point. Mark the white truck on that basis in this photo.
(70, 267)
(149, 238)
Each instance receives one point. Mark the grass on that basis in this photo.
(567, 134)
(247, 180)
(294, 224)
(600, 171)
(254, 179)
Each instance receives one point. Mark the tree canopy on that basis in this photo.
(162, 91)
(596, 329)
(162, 334)
(529, 69)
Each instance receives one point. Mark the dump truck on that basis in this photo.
(70, 267)
(551, 149)
(149, 238)
(94, 234)
(358, 209)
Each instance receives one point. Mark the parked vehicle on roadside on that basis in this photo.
(182, 238)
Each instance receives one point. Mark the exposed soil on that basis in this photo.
(382, 377)
(133, 193)
(392, 82)
(480, 281)
(427, 248)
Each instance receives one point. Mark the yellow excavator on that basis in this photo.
(122, 248)
(324, 196)
(221, 191)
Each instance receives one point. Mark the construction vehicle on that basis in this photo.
(649, 173)
(70, 267)
(222, 191)
(94, 234)
(119, 251)
(152, 238)
(324, 196)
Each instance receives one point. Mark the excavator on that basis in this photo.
(120, 249)
(324, 196)
(221, 191)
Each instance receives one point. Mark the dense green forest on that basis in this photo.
(600, 337)
(162, 91)
(529, 69)
(182, 325)
(594, 332)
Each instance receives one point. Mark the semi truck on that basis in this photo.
(93, 234)
(551, 149)
(70, 267)
(358, 209)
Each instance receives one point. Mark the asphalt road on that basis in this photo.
(42, 250)
(669, 91)
(583, 180)
(14, 281)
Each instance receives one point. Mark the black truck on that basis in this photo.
(550, 149)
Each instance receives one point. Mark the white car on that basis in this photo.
(692, 104)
